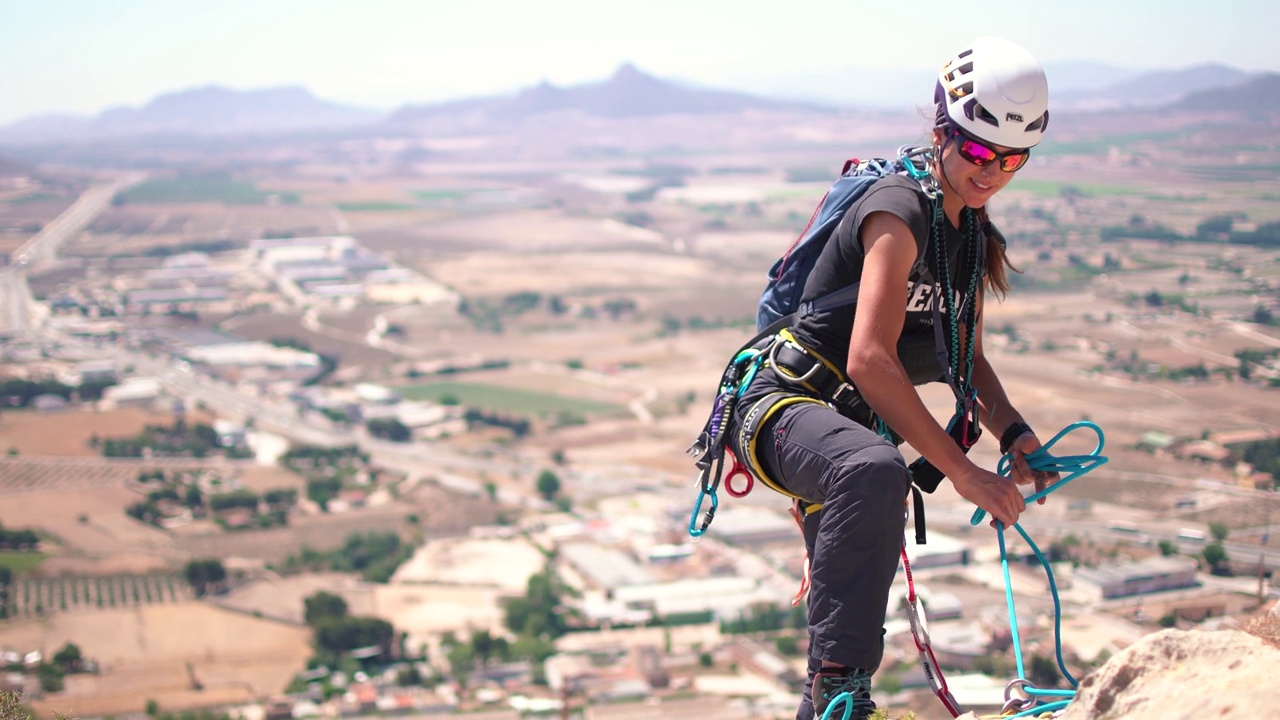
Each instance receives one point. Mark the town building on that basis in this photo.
(1138, 577)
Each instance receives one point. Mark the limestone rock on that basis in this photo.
(1175, 674)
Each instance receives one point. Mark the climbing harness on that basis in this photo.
(819, 380)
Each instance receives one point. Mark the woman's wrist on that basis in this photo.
(1011, 435)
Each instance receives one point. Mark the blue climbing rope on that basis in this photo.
(1069, 468)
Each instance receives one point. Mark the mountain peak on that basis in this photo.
(628, 71)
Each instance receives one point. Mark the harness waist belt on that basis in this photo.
(803, 367)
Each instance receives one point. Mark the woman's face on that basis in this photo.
(973, 184)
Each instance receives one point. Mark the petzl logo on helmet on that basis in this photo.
(1015, 117)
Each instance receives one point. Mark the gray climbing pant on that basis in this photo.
(862, 482)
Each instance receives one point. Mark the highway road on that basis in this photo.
(42, 248)
(19, 312)
(16, 303)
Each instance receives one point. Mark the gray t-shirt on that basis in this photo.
(840, 265)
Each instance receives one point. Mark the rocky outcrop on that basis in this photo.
(1177, 674)
(1186, 675)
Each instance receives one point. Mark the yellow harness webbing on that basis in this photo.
(785, 336)
(760, 411)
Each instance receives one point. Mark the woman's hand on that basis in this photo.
(1024, 445)
(991, 492)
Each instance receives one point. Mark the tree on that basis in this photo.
(408, 676)
(1219, 531)
(1043, 672)
(1213, 228)
(389, 429)
(462, 660)
(888, 684)
(323, 606)
(548, 485)
(68, 658)
(205, 575)
(6, 578)
(342, 635)
(1216, 557)
(487, 647)
(787, 645)
(50, 677)
(1168, 547)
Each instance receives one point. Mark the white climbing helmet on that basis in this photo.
(995, 90)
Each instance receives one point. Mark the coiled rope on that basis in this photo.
(1068, 468)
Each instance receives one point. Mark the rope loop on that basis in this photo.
(1068, 467)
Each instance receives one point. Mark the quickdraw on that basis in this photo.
(920, 634)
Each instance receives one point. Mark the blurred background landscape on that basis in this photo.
(318, 406)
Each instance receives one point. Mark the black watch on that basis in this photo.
(1011, 434)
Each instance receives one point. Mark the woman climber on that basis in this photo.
(838, 451)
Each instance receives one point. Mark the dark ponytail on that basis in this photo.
(997, 277)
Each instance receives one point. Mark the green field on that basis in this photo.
(1237, 173)
(200, 188)
(439, 195)
(372, 206)
(37, 197)
(1053, 188)
(1103, 145)
(503, 399)
(20, 562)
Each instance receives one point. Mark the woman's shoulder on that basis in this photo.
(897, 183)
(897, 194)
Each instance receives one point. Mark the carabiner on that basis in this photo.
(694, 530)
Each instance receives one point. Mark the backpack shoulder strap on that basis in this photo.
(848, 295)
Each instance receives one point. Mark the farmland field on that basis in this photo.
(20, 562)
(503, 399)
(196, 188)
(152, 651)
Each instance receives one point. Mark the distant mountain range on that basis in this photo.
(202, 111)
(1259, 95)
(628, 93)
(1150, 89)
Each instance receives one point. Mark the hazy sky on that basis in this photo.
(83, 56)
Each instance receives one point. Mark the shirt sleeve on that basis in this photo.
(900, 197)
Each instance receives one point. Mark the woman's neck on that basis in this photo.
(952, 203)
(952, 206)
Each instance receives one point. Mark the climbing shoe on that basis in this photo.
(844, 688)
